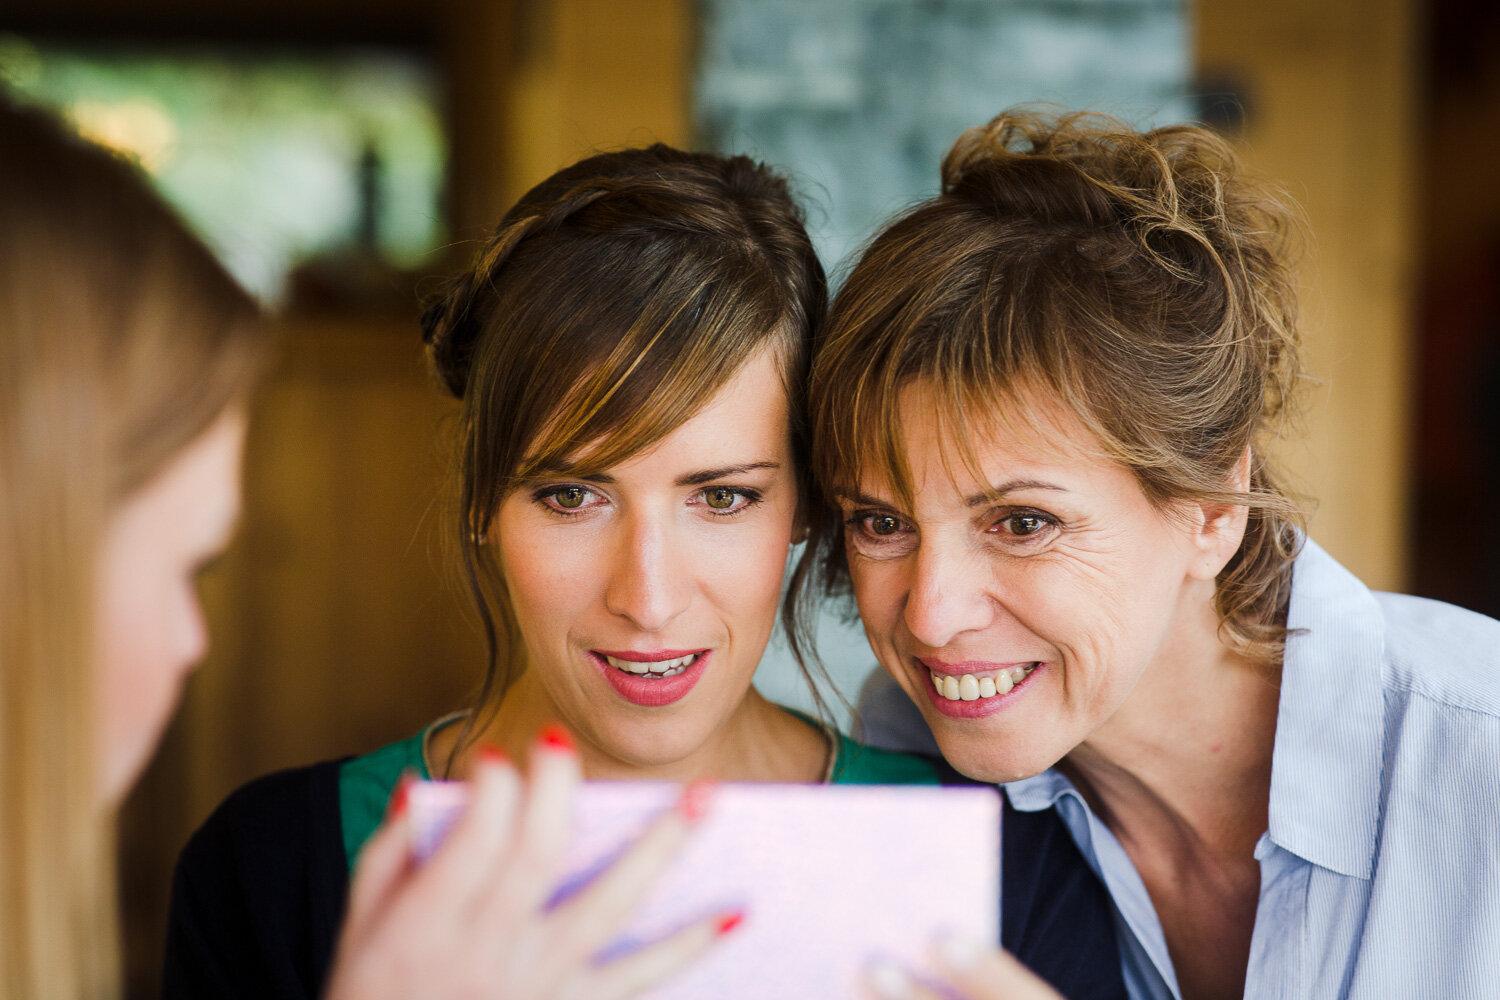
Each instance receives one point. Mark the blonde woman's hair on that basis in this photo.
(121, 340)
(1141, 278)
(611, 304)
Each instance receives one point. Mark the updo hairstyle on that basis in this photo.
(1140, 278)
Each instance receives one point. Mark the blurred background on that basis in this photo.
(339, 153)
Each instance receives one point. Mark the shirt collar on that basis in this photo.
(1038, 792)
(1330, 723)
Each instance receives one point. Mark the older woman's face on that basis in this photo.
(646, 595)
(1020, 604)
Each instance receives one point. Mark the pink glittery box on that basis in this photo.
(831, 877)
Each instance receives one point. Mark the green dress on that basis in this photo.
(366, 783)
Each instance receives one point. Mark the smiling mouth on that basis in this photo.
(660, 669)
(977, 687)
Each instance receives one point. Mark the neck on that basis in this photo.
(1187, 757)
(759, 741)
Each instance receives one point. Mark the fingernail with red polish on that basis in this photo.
(728, 922)
(491, 754)
(694, 802)
(554, 737)
(400, 797)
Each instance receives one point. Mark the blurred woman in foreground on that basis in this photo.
(1043, 408)
(127, 357)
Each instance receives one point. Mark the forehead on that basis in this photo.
(747, 418)
(947, 443)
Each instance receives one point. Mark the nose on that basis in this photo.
(649, 584)
(948, 593)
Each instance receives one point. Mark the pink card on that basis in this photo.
(831, 876)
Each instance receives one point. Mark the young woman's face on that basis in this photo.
(645, 596)
(1020, 604)
(150, 630)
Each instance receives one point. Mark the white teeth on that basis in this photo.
(971, 687)
(660, 668)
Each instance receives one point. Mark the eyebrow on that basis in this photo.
(699, 478)
(709, 475)
(976, 500)
(1011, 486)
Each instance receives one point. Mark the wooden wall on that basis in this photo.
(1330, 90)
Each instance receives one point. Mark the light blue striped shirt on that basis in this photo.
(1380, 870)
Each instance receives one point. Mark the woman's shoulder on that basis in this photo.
(1423, 651)
(258, 885)
(1442, 652)
(258, 808)
(365, 784)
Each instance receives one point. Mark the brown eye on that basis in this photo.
(570, 497)
(720, 498)
(884, 524)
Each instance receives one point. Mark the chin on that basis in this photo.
(991, 758)
(650, 746)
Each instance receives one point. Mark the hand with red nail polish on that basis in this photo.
(473, 921)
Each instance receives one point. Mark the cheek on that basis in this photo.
(879, 591)
(741, 568)
(150, 634)
(548, 580)
(1107, 615)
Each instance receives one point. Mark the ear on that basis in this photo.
(1218, 527)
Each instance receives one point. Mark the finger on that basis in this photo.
(588, 921)
(627, 976)
(545, 824)
(983, 972)
(383, 861)
(888, 980)
(481, 839)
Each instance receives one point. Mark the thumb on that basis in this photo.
(983, 972)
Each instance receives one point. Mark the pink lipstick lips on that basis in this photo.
(653, 678)
(973, 689)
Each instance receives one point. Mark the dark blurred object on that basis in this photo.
(1455, 535)
(1223, 99)
(1462, 39)
(406, 23)
(1454, 538)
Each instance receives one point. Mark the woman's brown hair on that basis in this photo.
(1142, 278)
(121, 340)
(611, 303)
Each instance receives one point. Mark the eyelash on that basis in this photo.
(859, 521)
(544, 498)
(1047, 522)
(858, 525)
(751, 498)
